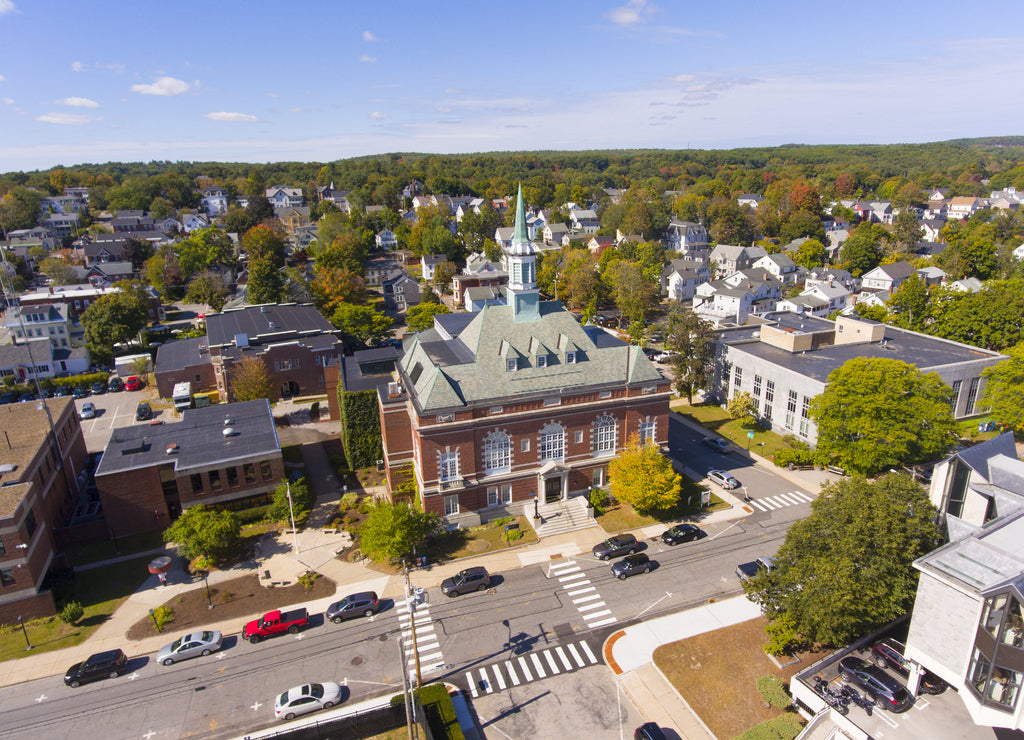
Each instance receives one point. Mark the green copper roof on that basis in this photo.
(519, 235)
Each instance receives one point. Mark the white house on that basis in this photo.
(886, 277)
(282, 197)
(386, 239)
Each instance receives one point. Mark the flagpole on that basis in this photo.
(291, 513)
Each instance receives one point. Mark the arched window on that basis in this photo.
(604, 435)
(552, 442)
(497, 453)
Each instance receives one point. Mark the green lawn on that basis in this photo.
(622, 516)
(462, 543)
(93, 552)
(716, 419)
(100, 591)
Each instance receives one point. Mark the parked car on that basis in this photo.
(275, 623)
(88, 410)
(79, 392)
(620, 544)
(631, 565)
(664, 356)
(108, 664)
(724, 479)
(306, 699)
(363, 604)
(191, 645)
(716, 443)
(98, 388)
(746, 571)
(888, 653)
(143, 412)
(60, 391)
(648, 731)
(887, 692)
(114, 384)
(133, 383)
(470, 579)
(681, 533)
(6, 398)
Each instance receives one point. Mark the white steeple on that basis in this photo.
(523, 295)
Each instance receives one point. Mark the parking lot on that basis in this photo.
(117, 410)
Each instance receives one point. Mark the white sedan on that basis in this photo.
(306, 699)
(88, 410)
(723, 479)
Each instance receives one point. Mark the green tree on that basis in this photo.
(692, 340)
(421, 317)
(391, 531)
(302, 502)
(250, 379)
(263, 242)
(59, 271)
(265, 282)
(910, 303)
(362, 322)
(114, 318)
(643, 477)
(877, 413)
(847, 569)
(203, 249)
(743, 406)
(633, 292)
(811, 253)
(202, 532)
(906, 231)
(334, 286)
(443, 274)
(208, 288)
(1004, 389)
(862, 249)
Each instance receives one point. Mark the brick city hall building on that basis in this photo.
(517, 401)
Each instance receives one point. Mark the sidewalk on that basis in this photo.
(629, 653)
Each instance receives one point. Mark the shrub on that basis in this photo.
(784, 458)
(307, 579)
(252, 516)
(71, 612)
(364, 508)
(598, 499)
(203, 562)
(501, 522)
(162, 615)
(349, 500)
(348, 519)
(772, 691)
(511, 535)
(783, 639)
(314, 411)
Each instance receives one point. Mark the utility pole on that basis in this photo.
(412, 625)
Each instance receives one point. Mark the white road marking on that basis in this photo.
(584, 599)
(537, 666)
(575, 655)
(41, 699)
(525, 669)
(511, 673)
(256, 706)
(472, 684)
(610, 620)
(595, 615)
(498, 677)
(551, 662)
(564, 658)
(586, 648)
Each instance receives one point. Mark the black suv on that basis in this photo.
(108, 664)
(631, 565)
(470, 579)
(888, 653)
(681, 533)
(879, 685)
(620, 544)
(363, 604)
(143, 412)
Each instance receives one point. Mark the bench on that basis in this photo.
(834, 469)
(266, 575)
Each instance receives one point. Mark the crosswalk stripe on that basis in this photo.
(511, 673)
(588, 607)
(757, 505)
(790, 498)
(564, 566)
(498, 677)
(575, 655)
(780, 501)
(584, 599)
(767, 503)
(537, 666)
(472, 684)
(590, 656)
(525, 669)
(573, 577)
(610, 620)
(485, 681)
(551, 662)
(585, 589)
(564, 658)
(594, 615)
(801, 495)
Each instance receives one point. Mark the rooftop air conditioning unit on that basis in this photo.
(228, 432)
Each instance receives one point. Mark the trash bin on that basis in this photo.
(423, 562)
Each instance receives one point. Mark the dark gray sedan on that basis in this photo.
(191, 645)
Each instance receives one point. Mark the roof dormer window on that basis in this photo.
(511, 365)
(570, 358)
(542, 360)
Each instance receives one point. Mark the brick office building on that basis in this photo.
(294, 341)
(517, 401)
(226, 455)
(39, 471)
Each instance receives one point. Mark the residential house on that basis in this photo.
(686, 237)
(819, 300)
(963, 207)
(77, 298)
(282, 197)
(64, 225)
(385, 239)
(378, 270)
(931, 275)
(402, 292)
(553, 234)
(474, 299)
(293, 218)
(780, 267)
(105, 273)
(306, 235)
(478, 272)
(503, 236)
(44, 320)
(38, 358)
(682, 283)
(335, 196)
(63, 204)
(294, 341)
(1018, 252)
(193, 222)
(413, 188)
(729, 258)
(699, 266)
(597, 244)
(967, 285)
(134, 222)
(932, 228)
(42, 460)
(214, 201)
(737, 297)
(886, 277)
(225, 456)
(831, 276)
(585, 220)
(788, 362)
(480, 449)
(749, 199)
(430, 263)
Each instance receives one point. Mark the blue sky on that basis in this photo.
(321, 80)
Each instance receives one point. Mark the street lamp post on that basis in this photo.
(28, 645)
(291, 513)
(206, 582)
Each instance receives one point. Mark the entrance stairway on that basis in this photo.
(563, 516)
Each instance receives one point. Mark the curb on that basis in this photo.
(607, 650)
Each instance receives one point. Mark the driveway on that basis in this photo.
(117, 410)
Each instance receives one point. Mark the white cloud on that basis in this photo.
(66, 119)
(8, 101)
(367, 58)
(76, 66)
(377, 116)
(631, 14)
(232, 117)
(683, 78)
(6, 6)
(78, 102)
(163, 86)
(368, 36)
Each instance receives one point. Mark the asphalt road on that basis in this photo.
(528, 641)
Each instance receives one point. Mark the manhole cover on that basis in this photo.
(384, 637)
(358, 660)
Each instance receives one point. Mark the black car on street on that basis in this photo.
(681, 533)
(108, 664)
(364, 604)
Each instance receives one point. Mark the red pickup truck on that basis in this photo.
(275, 623)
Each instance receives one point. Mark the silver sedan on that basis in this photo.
(306, 699)
(191, 645)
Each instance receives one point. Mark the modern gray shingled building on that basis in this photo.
(514, 403)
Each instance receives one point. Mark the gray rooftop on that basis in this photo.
(369, 369)
(266, 324)
(182, 354)
(199, 437)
